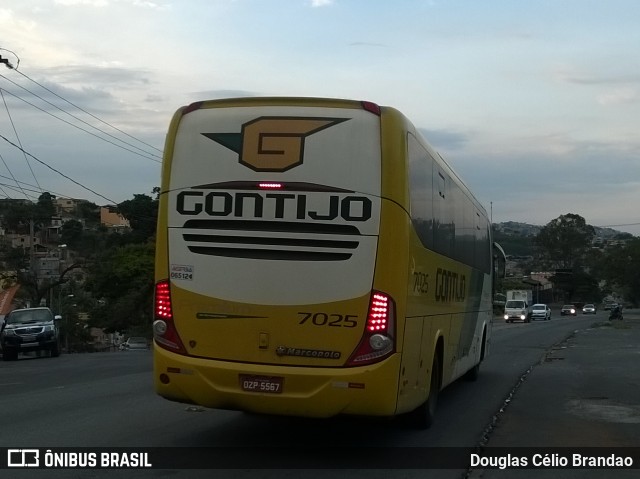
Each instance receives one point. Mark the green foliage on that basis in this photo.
(515, 245)
(621, 269)
(44, 209)
(564, 241)
(89, 212)
(122, 278)
(71, 233)
(16, 215)
(142, 213)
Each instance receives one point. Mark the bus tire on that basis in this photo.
(424, 415)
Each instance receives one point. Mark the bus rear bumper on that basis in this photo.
(370, 390)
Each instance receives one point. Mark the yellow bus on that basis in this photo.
(315, 257)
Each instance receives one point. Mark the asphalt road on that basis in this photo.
(107, 400)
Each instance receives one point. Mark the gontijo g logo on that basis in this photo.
(273, 143)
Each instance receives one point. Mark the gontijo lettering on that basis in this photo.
(450, 286)
(277, 205)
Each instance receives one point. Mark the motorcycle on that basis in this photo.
(616, 313)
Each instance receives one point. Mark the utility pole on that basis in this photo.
(32, 255)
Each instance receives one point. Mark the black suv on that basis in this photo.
(31, 329)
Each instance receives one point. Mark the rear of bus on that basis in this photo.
(270, 293)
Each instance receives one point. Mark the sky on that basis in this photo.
(536, 105)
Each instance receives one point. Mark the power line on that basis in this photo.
(57, 171)
(88, 113)
(80, 128)
(29, 187)
(15, 67)
(18, 136)
(22, 190)
(11, 173)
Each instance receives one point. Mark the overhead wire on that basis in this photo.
(29, 186)
(58, 195)
(56, 170)
(15, 131)
(22, 190)
(88, 113)
(80, 128)
(11, 173)
(141, 152)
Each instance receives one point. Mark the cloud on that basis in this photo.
(367, 44)
(566, 76)
(100, 89)
(219, 94)
(445, 139)
(91, 3)
(92, 74)
(321, 3)
(620, 96)
(107, 3)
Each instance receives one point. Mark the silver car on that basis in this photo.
(135, 344)
(589, 309)
(541, 311)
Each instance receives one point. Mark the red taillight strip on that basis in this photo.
(381, 322)
(166, 337)
(163, 301)
(377, 320)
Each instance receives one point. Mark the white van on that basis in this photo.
(517, 310)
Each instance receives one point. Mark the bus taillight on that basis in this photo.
(164, 330)
(378, 340)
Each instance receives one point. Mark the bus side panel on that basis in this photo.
(393, 243)
(162, 242)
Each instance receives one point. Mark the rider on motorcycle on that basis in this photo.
(616, 312)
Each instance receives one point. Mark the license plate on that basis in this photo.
(28, 338)
(261, 384)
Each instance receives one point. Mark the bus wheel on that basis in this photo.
(424, 415)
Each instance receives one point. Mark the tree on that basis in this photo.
(44, 208)
(16, 216)
(33, 288)
(563, 244)
(71, 233)
(564, 241)
(121, 279)
(89, 212)
(621, 270)
(142, 213)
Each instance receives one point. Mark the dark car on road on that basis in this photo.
(30, 329)
(568, 310)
